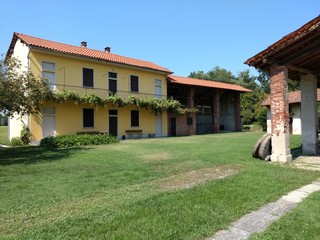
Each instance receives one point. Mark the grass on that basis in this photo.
(4, 135)
(301, 223)
(172, 188)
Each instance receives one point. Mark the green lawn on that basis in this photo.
(303, 223)
(4, 135)
(171, 188)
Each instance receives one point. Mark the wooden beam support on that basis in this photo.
(299, 69)
(300, 53)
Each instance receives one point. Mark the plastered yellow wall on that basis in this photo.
(68, 116)
(69, 73)
(69, 120)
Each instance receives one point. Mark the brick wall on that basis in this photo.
(182, 128)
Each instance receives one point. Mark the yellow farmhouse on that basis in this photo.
(83, 70)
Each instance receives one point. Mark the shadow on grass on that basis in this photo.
(35, 154)
(296, 152)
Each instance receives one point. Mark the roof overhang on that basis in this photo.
(91, 54)
(206, 83)
(299, 51)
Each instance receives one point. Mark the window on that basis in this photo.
(112, 83)
(158, 88)
(87, 76)
(134, 118)
(88, 117)
(134, 83)
(49, 72)
(189, 121)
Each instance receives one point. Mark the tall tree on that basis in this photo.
(21, 92)
(250, 102)
(264, 81)
(244, 79)
(215, 74)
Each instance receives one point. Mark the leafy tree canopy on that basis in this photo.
(21, 92)
(216, 74)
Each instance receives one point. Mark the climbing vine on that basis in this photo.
(155, 105)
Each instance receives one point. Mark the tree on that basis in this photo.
(215, 74)
(250, 102)
(245, 80)
(21, 92)
(264, 81)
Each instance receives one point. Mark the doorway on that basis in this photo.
(173, 126)
(159, 126)
(48, 121)
(113, 122)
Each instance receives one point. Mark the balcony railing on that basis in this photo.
(101, 92)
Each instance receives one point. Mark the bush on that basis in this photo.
(256, 127)
(63, 141)
(16, 141)
(262, 118)
(25, 135)
(246, 127)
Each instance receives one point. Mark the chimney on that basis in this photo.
(107, 49)
(83, 44)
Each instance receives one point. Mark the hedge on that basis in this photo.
(63, 141)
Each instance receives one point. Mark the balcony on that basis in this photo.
(102, 92)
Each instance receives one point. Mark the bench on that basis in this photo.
(133, 132)
(93, 132)
(152, 135)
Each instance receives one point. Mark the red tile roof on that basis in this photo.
(205, 83)
(83, 52)
(294, 97)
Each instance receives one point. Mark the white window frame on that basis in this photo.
(52, 82)
(157, 84)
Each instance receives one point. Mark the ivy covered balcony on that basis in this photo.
(102, 92)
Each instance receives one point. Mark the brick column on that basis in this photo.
(216, 110)
(309, 114)
(279, 106)
(237, 117)
(191, 98)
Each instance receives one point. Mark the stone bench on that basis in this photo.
(133, 132)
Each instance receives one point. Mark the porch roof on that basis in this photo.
(205, 83)
(299, 51)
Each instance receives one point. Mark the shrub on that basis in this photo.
(246, 127)
(16, 141)
(25, 135)
(63, 141)
(262, 118)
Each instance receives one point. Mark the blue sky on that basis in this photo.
(182, 35)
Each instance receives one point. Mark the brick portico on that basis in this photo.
(296, 56)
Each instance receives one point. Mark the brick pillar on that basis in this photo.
(279, 106)
(191, 98)
(237, 116)
(309, 114)
(216, 110)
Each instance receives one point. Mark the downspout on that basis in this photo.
(28, 65)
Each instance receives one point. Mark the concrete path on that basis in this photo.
(259, 220)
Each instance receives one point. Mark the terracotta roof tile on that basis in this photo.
(293, 97)
(206, 83)
(83, 52)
